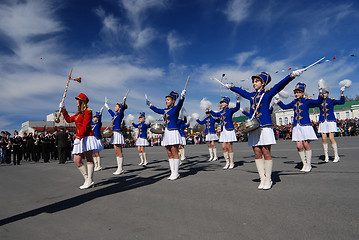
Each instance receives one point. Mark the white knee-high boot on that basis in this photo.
(215, 158)
(119, 166)
(171, 163)
(268, 165)
(183, 157)
(89, 181)
(98, 164)
(326, 155)
(260, 169)
(141, 158)
(336, 155)
(144, 159)
(95, 163)
(308, 156)
(231, 160)
(176, 164)
(226, 157)
(302, 157)
(210, 154)
(83, 171)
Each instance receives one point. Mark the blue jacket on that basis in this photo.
(96, 127)
(301, 109)
(142, 129)
(263, 113)
(170, 115)
(225, 116)
(117, 118)
(327, 109)
(209, 121)
(182, 126)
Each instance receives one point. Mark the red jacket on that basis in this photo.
(82, 121)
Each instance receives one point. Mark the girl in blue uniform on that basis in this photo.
(117, 138)
(211, 135)
(263, 138)
(303, 131)
(328, 124)
(228, 135)
(96, 125)
(182, 128)
(142, 141)
(171, 138)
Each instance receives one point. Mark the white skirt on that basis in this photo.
(87, 143)
(327, 127)
(171, 137)
(142, 142)
(303, 133)
(211, 137)
(262, 136)
(99, 141)
(117, 138)
(227, 136)
(183, 141)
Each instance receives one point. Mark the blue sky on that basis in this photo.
(151, 46)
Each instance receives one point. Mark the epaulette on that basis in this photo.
(308, 98)
(268, 89)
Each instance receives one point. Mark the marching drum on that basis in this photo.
(107, 133)
(249, 125)
(157, 128)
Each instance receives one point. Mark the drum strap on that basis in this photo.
(257, 106)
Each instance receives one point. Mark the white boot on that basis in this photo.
(302, 157)
(99, 163)
(171, 163)
(268, 164)
(95, 163)
(141, 158)
(144, 159)
(83, 171)
(336, 155)
(260, 169)
(231, 160)
(308, 156)
(326, 155)
(226, 157)
(176, 164)
(210, 154)
(215, 158)
(119, 166)
(89, 181)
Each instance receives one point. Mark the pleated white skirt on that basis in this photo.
(327, 127)
(117, 138)
(227, 136)
(211, 137)
(262, 136)
(171, 137)
(87, 143)
(183, 141)
(142, 142)
(99, 141)
(303, 133)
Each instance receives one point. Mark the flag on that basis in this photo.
(335, 57)
(289, 69)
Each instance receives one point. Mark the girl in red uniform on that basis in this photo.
(85, 141)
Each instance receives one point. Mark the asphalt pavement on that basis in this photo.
(43, 200)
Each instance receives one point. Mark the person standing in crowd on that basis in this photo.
(16, 143)
(61, 142)
(37, 146)
(85, 141)
(24, 146)
(96, 126)
(327, 122)
(303, 132)
(30, 147)
(171, 138)
(117, 138)
(142, 141)
(182, 129)
(54, 152)
(7, 147)
(228, 135)
(45, 145)
(69, 143)
(262, 138)
(211, 135)
(2, 152)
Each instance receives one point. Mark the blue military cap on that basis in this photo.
(142, 114)
(225, 99)
(300, 87)
(97, 114)
(208, 110)
(174, 95)
(264, 77)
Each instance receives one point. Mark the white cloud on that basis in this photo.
(237, 10)
(175, 42)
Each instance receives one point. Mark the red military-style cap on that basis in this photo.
(82, 97)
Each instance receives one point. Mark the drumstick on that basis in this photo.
(218, 81)
(185, 87)
(311, 65)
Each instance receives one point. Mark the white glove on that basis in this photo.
(241, 109)
(320, 90)
(297, 73)
(124, 99)
(183, 93)
(102, 109)
(61, 105)
(238, 96)
(148, 103)
(77, 141)
(106, 105)
(342, 89)
(227, 85)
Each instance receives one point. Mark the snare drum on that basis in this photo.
(107, 133)
(249, 125)
(157, 128)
